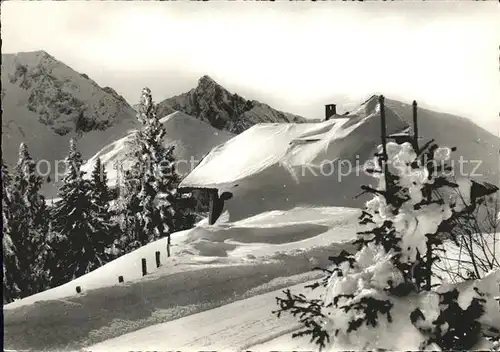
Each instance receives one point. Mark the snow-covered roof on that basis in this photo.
(250, 152)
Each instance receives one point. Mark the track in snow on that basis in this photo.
(244, 324)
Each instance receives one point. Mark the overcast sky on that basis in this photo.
(295, 56)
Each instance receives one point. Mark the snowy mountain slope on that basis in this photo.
(45, 103)
(192, 138)
(212, 103)
(279, 166)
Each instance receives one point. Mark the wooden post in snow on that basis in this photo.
(157, 257)
(78, 289)
(168, 245)
(212, 205)
(144, 267)
(120, 279)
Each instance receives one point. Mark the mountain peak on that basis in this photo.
(40, 53)
(206, 78)
(206, 82)
(57, 97)
(34, 53)
(211, 102)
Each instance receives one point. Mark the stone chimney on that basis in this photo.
(330, 110)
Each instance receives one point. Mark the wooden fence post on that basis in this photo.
(157, 255)
(168, 245)
(415, 127)
(144, 267)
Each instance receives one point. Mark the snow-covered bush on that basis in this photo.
(382, 297)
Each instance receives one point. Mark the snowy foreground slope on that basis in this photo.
(254, 328)
(222, 244)
(214, 270)
(211, 266)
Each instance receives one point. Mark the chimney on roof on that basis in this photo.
(330, 110)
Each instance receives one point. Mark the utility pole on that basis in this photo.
(384, 139)
(415, 127)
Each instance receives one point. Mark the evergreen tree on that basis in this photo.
(11, 269)
(100, 196)
(150, 184)
(30, 237)
(99, 180)
(389, 278)
(80, 224)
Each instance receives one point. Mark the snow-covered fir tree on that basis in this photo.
(383, 297)
(11, 269)
(31, 216)
(81, 228)
(100, 192)
(100, 197)
(152, 207)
